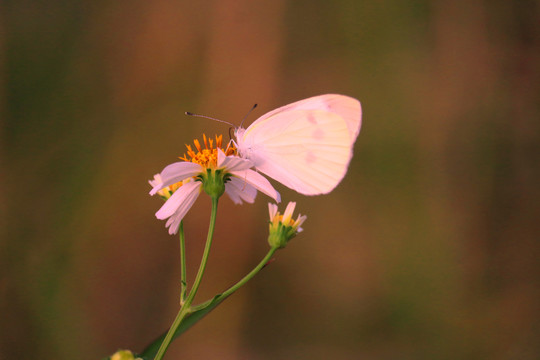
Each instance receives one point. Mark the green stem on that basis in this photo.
(240, 283)
(206, 252)
(199, 311)
(186, 307)
(183, 271)
(253, 272)
(184, 310)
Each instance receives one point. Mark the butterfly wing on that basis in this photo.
(306, 145)
(346, 107)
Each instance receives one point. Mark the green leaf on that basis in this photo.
(201, 310)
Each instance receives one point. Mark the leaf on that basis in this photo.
(202, 310)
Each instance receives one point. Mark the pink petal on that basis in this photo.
(259, 182)
(176, 172)
(232, 163)
(289, 210)
(156, 181)
(239, 190)
(272, 210)
(174, 224)
(180, 202)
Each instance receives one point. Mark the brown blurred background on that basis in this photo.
(428, 249)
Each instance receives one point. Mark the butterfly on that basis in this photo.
(306, 145)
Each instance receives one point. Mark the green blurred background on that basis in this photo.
(429, 248)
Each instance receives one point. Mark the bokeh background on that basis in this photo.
(429, 248)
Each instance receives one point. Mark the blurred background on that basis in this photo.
(428, 249)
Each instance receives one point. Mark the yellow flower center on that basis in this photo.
(167, 191)
(279, 219)
(207, 156)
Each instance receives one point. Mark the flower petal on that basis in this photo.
(272, 210)
(176, 172)
(232, 163)
(259, 182)
(156, 181)
(174, 222)
(299, 221)
(239, 190)
(180, 202)
(289, 210)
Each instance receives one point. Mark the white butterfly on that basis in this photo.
(306, 145)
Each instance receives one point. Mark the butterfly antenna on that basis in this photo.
(249, 112)
(208, 117)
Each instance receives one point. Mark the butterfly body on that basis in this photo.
(306, 145)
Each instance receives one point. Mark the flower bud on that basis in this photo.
(283, 228)
(124, 355)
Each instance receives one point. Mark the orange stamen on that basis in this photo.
(207, 156)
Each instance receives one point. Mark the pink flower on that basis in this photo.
(181, 182)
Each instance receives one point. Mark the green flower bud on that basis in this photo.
(124, 355)
(283, 228)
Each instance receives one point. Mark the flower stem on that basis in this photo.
(168, 338)
(185, 309)
(206, 252)
(252, 273)
(240, 283)
(183, 271)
